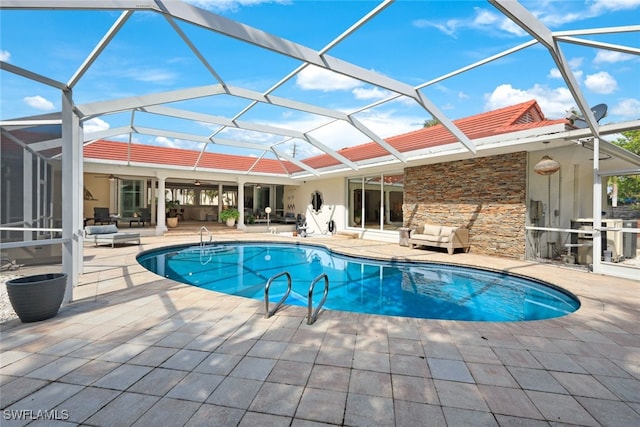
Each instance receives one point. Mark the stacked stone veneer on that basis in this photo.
(487, 195)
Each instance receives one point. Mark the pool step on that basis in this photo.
(347, 235)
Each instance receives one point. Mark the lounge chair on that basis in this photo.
(100, 234)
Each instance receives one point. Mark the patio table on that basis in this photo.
(131, 220)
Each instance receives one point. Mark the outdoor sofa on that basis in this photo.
(439, 236)
(109, 234)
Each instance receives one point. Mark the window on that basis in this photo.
(130, 197)
(375, 202)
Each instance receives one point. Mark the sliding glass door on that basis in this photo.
(375, 202)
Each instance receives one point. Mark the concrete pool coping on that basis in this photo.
(137, 348)
(436, 286)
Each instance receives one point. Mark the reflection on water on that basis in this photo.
(389, 288)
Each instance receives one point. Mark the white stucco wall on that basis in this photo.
(334, 193)
(571, 187)
(571, 190)
(333, 208)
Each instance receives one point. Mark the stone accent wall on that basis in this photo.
(487, 195)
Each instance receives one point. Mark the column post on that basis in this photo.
(597, 207)
(161, 226)
(72, 170)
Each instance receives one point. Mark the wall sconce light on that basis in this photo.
(197, 183)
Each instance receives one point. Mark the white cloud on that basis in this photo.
(628, 108)
(177, 143)
(5, 55)
(554, 18)
(449, 27)
(95, 125)
(602, 83)
(249, 136)
(555, 14)
(554, 73)
(317, 78)
(574, 64)
(601, 6)
(152, 76)
(484, 17)
(390, 123)
(609, 56)
(512, 28)
(339, 134)
(483, 20)
(554, 102)
(230, 5)
(39, 103)
(374, 93)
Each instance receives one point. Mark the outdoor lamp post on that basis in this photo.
(268, 211)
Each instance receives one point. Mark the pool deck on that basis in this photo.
(137, 349)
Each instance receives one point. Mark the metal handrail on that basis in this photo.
(203, 228)
(311, 317)
(268, 313)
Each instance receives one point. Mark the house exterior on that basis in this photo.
(495, 193)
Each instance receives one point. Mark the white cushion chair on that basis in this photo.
(109, 234)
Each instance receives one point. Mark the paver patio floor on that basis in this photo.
(137, 349)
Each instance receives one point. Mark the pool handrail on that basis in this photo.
(311, 317)
(268, 313)
(203, 228)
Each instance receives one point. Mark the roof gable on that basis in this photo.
(508, 119)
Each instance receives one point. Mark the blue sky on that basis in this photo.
(410, 41)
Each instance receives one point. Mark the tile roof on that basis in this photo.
(522, 116)
(508, 119)
(151, 154)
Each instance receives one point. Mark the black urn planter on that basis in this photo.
(38, 297)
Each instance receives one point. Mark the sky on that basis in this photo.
(413, 42)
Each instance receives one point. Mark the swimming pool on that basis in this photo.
(422, 290)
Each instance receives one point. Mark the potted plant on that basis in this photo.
(172, 213)
(230, 216)
(38, 297)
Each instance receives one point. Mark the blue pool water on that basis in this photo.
(432, 291)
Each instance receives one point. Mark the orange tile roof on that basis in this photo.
(151, 154)
(508, 119)
(522, 116)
